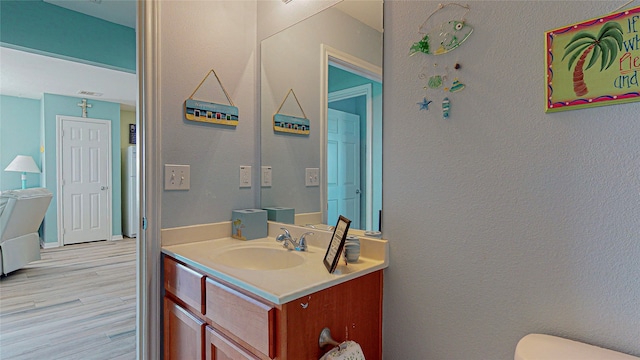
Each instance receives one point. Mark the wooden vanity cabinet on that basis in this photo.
(245, 319)
(351, 310)
(231, 323)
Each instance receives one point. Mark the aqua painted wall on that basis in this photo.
(55, 31)
(54, 105)
(19, 135)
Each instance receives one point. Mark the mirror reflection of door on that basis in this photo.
(343, 166)
(354, 164)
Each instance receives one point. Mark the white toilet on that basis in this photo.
(547, 347)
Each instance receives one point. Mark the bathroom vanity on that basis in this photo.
(218, 307)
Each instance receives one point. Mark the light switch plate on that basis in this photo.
(265, 176)
(177, 177)
(245, 176)
(312, 177)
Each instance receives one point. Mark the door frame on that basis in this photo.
(59, 196)
(349, 63)
(150, 184)
(366, 91)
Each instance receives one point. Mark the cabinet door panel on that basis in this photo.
(219, 347)
(184, 283)
(183, 333)
(351, 310)
(249, 320)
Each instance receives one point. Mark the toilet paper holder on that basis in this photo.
(326, 339)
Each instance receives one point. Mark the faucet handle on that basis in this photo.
(285, 236)
(303, 241)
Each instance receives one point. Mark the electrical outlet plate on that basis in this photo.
(265, 176)
(245, 176)
(312, 177)
(177, 177)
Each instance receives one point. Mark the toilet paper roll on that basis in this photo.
(348, 350)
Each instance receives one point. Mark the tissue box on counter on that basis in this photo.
(249, 224)
(281, 214)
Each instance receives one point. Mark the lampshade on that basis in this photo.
(23, 163)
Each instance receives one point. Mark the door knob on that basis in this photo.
(357, 191)
(104, 187)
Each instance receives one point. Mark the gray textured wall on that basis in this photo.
(504, 220)
(224, 40)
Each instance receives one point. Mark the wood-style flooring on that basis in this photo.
(78, 302)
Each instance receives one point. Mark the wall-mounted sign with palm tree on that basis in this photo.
(592, 63)
(603, 47)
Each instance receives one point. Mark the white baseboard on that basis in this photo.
(48, 245)
(51, 245)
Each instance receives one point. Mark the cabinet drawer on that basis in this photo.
(185, 284)
(220, 347)
(248, 320)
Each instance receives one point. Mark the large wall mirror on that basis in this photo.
(332, 62)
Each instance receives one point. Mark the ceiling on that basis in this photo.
(30, 75)
(370, 15)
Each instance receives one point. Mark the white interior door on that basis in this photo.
(85, 175)
(343, 167)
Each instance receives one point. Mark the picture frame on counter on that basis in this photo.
(336, 245)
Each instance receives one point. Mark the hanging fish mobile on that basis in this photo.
(452, 34)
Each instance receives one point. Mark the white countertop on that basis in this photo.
(283, 285)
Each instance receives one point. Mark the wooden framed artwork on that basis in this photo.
(594, 62)
(336, 245)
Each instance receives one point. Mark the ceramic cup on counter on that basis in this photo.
(373, 234)
(352, 249)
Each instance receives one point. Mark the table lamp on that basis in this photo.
(23, 164)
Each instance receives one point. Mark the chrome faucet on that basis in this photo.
(297, 245)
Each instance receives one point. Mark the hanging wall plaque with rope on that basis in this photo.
(208, 112)
(291, 124)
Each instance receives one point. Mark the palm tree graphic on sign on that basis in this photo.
(605, 47)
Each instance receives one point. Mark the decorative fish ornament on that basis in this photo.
(452, 35)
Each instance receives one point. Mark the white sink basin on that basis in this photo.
(259, 258)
